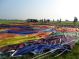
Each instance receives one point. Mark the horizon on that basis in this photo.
(39, 19)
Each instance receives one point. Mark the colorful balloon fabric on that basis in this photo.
(21, 39)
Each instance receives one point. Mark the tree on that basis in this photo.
(66, 20)
(41, 20)
(31, 20)
(75, 20)
(60, 20)
(57, 20)
(53, 20)
(44, 20)
(48, 20)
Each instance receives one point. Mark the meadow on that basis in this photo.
(9, 21)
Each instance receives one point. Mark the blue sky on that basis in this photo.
(23, 9)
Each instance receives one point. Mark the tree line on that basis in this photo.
(48, 20)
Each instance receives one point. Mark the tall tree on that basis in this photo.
(53, 20)
(60, 20)
(75, 20)
(48, 20)
(41, 20)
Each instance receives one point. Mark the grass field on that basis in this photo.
(10, 21)
(66, 23)
(58, 23)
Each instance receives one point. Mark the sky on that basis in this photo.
(39, 9)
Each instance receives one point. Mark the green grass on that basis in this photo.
(10, 21)
(66, 23)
